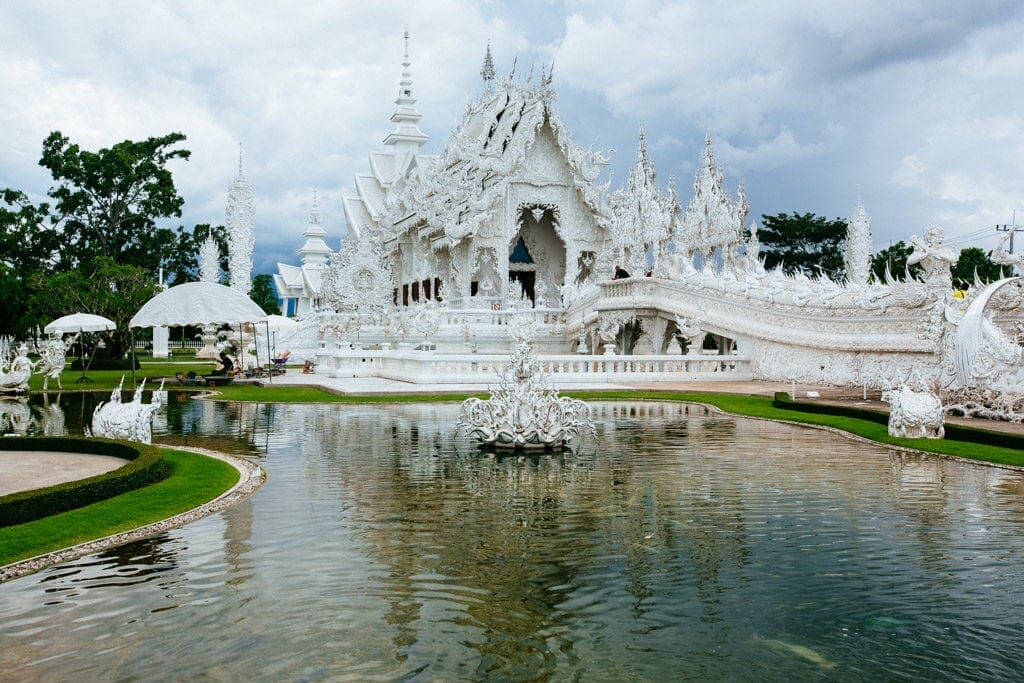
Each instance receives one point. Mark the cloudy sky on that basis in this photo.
(915, 108)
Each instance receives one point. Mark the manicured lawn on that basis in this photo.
(105, 380)
(194, 480)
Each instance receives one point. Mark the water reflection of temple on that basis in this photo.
(521, 530)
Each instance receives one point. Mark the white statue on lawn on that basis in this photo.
(15, 373)
(52, 359)
(914, 414)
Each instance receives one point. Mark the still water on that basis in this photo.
(681, 545)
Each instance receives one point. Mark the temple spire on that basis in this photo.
(406, 138)
(487, 71)
(241, 220)
(315, 250)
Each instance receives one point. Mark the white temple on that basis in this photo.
(509, 226)
(298, 287)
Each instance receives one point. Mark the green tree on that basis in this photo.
(264, 295)
(108, 201)
(803, 243)
(13, 302)
(103, 204)
(104, 287)
(894, 257)
(975, 260)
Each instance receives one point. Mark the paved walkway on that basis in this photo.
(27, 470)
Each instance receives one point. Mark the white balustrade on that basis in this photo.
(426, 367)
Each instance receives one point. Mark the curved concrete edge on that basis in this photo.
(250, 478)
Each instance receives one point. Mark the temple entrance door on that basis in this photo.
(526, 279)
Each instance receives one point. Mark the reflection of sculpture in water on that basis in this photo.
(132, 421)
(15, 416)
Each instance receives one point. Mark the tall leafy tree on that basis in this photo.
(975, 260)
(264, 294)
(894, 257)
(804, 243)
(108, 201)
(103, 205)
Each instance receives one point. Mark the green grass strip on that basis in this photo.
(195, 479)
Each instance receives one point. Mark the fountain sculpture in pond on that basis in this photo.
(524, 411)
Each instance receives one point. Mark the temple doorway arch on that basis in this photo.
(536, 260)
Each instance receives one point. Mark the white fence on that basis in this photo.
(430, 367)
(172, 344)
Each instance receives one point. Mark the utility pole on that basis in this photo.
(1011, 228)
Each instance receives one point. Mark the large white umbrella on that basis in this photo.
(80, 322)
(198, 303)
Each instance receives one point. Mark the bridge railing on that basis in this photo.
(426, 367)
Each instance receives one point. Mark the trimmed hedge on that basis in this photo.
(145, 466)
(954, 432)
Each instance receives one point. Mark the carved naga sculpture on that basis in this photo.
(132, 421)
(914, 414)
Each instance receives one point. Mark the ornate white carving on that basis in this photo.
(209, 261)
(917, 414)
(643, 215)
(858, 246)
(712, 220)
(52, 358)
(15, 371)
(524, 412)
(358, 277)
(241, 219)
(133, 421)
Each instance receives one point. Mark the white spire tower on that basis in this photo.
(858, 246)
(315, 251)
(406, 138)
(241, 219)
(209, 268)
(487, 71)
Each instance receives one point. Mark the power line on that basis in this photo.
(1011, 228)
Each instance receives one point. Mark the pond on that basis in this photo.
(682, 545)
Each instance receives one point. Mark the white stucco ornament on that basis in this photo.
(15, 373)
(53, 356)
(524, 412)
(132, 421)
(914, 414)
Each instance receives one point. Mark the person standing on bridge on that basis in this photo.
(620, 274)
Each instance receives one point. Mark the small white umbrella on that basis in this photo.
(80, 322)
(279, 324)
